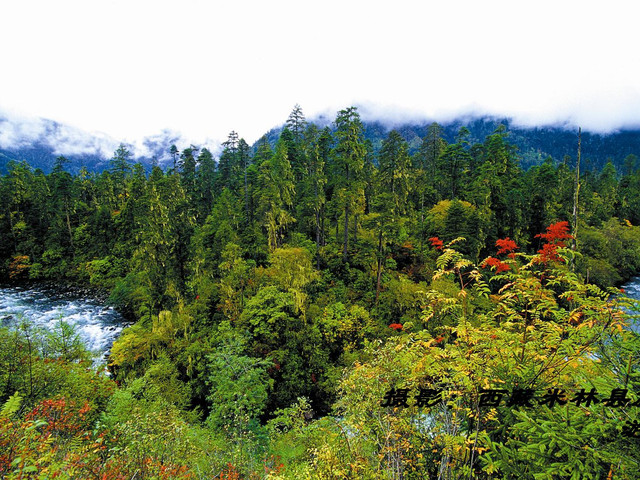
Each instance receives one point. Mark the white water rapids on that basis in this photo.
(44, 306)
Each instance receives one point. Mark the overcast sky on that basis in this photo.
(130, 68)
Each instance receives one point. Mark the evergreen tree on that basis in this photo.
(311, 193)
(120, 170)
(205, 177)
(276, 191)
(430, 182)
(187, 168)
(244, 161)
(263, 151)
(348, 162)
(395, 170)
(497, 189)
(174, 154)
(228, 162)
(297, 123)
(62, 185)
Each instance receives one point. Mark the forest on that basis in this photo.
(315, 307)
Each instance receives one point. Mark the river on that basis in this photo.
(45, 305)
(632, 288)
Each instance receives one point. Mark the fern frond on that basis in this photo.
(11, 406)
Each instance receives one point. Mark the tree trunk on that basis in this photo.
(322, 216)
(316, 211)
(355, 228)
(318, 239)
(346, 233)
(379, 267)
(246, 194)
(13, 232)
(69, 226)
(575, 194)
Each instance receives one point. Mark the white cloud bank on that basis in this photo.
(134, 69)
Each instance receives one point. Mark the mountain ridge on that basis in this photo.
(534, 143)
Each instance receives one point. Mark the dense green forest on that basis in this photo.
(284, 294)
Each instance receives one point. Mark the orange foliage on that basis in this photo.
(230, 473)
(63, 417)
(436, 243)
(273, 465)
(26, 443)
(19, 266)
(494, 262)
(556, 235)
(506, 245)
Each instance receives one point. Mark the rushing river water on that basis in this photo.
(632, 288)
(44, 306)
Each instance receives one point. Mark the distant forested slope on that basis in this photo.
(534, 144)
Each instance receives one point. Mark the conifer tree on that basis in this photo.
(311, 193)
(120, 170)
(348, 162)
(174, 154)
(244, 161)
(395, 170)
(228, 162)
(187, 166)
(296, 123)
(276, 191)
(205, 177)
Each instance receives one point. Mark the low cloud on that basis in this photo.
(601, 112)
(19, 132)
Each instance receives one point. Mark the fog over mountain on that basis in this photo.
(40, 141)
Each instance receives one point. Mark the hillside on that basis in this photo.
(534, 144)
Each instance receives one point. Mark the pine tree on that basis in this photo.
(348, 155)
(187, 166)
(429, 183)
(120, 170)
(296, 123)
(205, 177)
(63, 197)
(174, 154)
(311, 193)
(395, 170)
(276, 192)
(244, 161)
(454, 162)
(228, 162)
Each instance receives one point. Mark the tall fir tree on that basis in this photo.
(348, 162)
